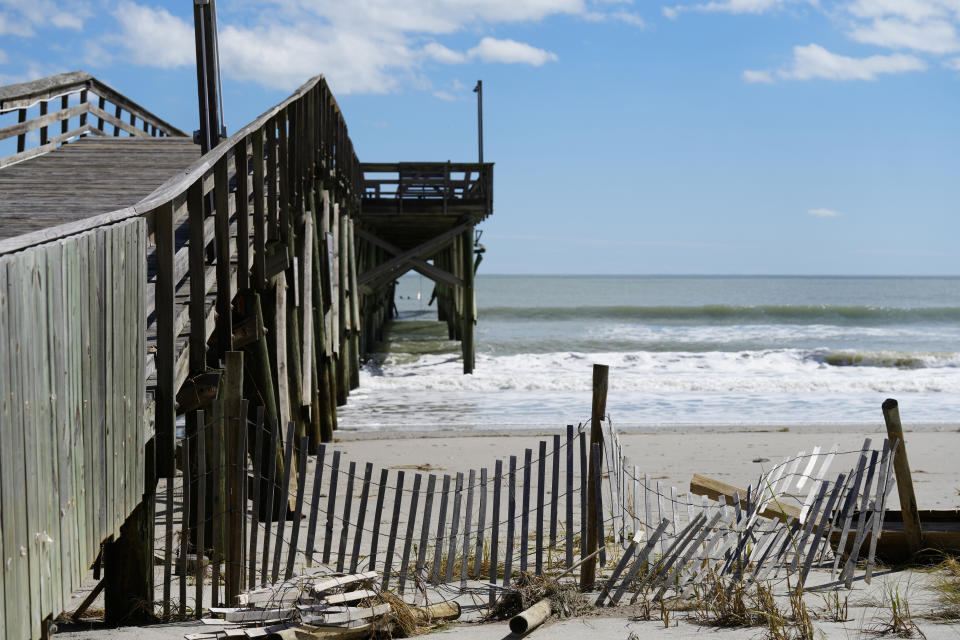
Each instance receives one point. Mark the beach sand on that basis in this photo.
(670, 456)
(735, 456)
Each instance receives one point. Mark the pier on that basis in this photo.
(142, 281)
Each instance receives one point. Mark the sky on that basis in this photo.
(645, 137)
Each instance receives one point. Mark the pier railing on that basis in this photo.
(168, 286)
(427, 187)
(65, 107)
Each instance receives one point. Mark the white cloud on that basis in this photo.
(153, 37)
(913, 10)
(730, 6)
(952, 63)
(626, 17)
(931, 36)
(813, 61)
(762, 77)
(824, 213)
(3, 56)
(510, 52)
(443, 54)
(23, 17)
(369, 47)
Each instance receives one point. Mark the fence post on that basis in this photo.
(588, 573)
(908, 501)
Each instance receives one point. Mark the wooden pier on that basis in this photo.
(141, 281)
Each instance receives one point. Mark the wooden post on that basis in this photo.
(164, 295)
(908, 501)
(234, 421)
(588, 572)
(467, 346)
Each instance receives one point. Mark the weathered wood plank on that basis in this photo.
(441, 529)
(377, 516)
(511, 521)
(425, 527)
(331, 505)
(481, 522)
(361, 517)
(541, 478)
(454, 526)
(267, 514)
(495, 522)
(345, 526)
(315, 502)
(394, 524)
(411, 527)
(298, 509)
(284, 493)
(525, 510)
(569, 511)
(201, 518)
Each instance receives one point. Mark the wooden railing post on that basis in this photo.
(43, 130)
(221, 190)
(908, 500)
(165, 356)
(588, 572)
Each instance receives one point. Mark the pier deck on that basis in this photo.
(87, 177)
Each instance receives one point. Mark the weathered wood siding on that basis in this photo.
(72, 330)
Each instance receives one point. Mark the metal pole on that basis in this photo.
(479, 91)
(208, 73)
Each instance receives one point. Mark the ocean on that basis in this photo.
(683, 351)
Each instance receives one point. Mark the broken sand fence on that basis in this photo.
(438, 536)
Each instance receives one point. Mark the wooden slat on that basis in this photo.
(256, 505)
(298, 508)
(481, 522)
(454, 526)
(315, 502)
(284, 494)
(117, 122)
(270, 502)
(468, 514)
(511, 521)
(411, 526)
(185, 529)
(201, 519)
(441, 529)
(569, 511)
(331, 506)
(495, 522)
(555, 490)
(541, 478)
(377, 516)
(361, 517)
(13, 534)
(394, 524)
(425, 527)
(639, 562)
(345, 525)
(43, 121)
(525, 510)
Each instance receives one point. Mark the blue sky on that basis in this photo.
(664, 136)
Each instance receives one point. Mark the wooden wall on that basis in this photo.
(72, 330)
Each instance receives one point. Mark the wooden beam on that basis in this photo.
(388, 269)
(713, 489)
(434, 273)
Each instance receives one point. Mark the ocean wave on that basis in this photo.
(732, 314)
(763, 371)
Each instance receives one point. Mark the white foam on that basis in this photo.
(766, 371)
